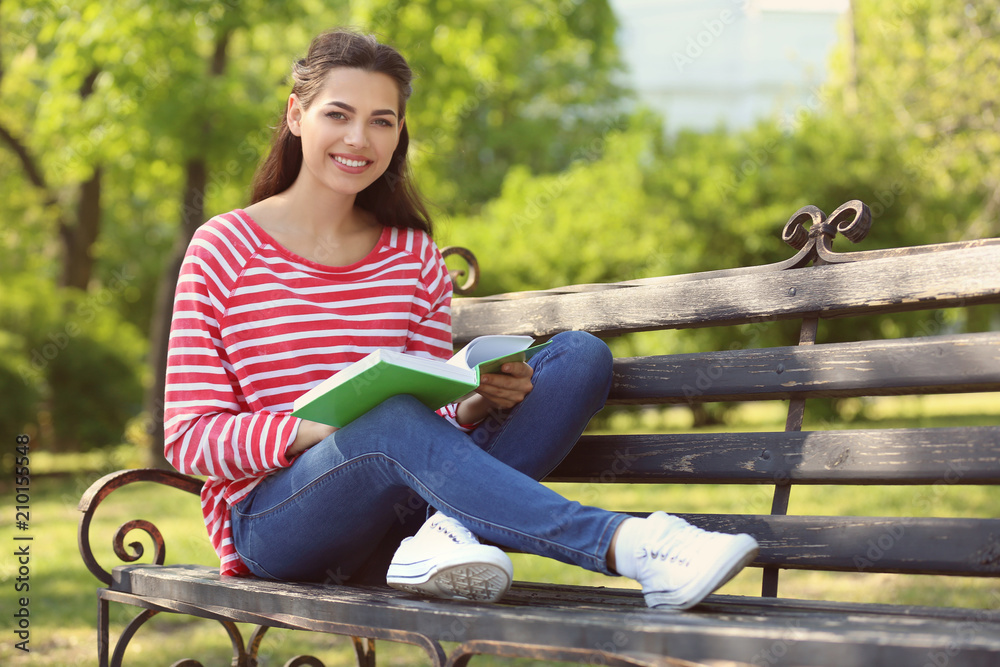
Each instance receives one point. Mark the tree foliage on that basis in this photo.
(72, 369)
(924, 73)
(155, 115)
(499, 85)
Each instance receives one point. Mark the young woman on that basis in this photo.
(331, 260)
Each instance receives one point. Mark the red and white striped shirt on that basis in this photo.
(255, 326)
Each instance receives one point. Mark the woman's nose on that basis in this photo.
(357, 135)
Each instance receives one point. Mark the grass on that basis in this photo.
(62, 594)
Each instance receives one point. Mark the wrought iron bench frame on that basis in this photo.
(612, 626)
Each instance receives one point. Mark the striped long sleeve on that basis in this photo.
(255, 326)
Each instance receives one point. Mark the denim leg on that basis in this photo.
(572, 377)
(322, 517)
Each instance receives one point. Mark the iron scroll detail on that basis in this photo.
(852, 219)
(472, 272)
(100, 490)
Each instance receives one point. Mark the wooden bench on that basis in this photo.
(613, 626)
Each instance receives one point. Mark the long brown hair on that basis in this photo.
(392, 198)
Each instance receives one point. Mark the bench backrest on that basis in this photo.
(814, 286)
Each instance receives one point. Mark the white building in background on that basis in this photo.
(705, 63)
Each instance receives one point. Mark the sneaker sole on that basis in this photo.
(475, 572)
(743, 554)
(481, 582)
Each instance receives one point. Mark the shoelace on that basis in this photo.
(455, 531)
(671, 546)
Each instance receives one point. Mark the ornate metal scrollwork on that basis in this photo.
(240, 658)
(159, 550)
(473, 269)
(795, 233)
(364, 648)
(100, 490)
(853, 219)
(253, 647)
(304, 661)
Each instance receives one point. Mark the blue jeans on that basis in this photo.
(339, 512)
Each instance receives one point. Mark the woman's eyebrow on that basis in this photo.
(347, 107)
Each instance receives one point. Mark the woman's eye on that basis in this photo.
(383, 122)
(336, 115)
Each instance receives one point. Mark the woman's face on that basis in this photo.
(350, 130)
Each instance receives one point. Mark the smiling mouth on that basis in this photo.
(351, 163)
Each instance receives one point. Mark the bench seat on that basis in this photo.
(556, 622)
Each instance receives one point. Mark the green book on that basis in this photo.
(353, 391)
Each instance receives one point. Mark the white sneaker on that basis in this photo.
(679, 564)
(444, 559)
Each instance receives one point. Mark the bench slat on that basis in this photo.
(955, 455)
(615, 621)
(935, 280)
(925, 365)
(945, 546)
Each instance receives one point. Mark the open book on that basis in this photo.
(353, 391)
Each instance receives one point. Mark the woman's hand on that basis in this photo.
(497, 391)
(309, 434)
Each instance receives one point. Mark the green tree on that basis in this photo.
(528, 83)
(924, 73)
(72, 369)
(589, 223)
(124, 120)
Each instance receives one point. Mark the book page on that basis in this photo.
(427, 365)
(486, 348)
